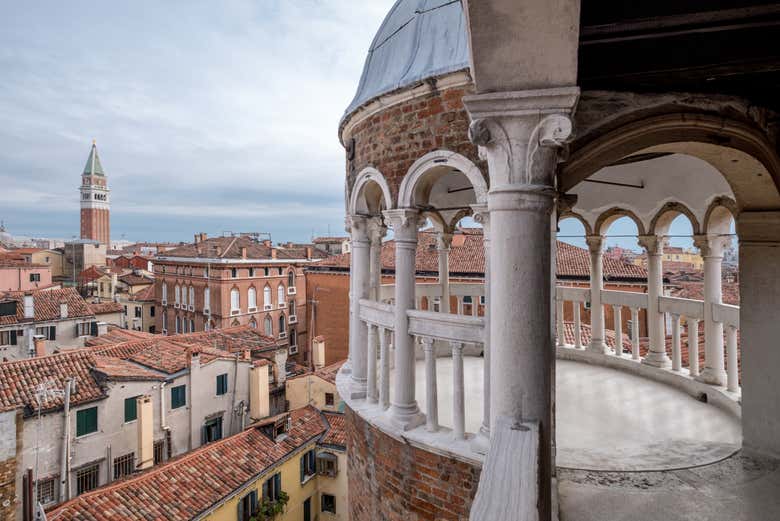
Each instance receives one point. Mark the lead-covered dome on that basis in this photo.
(418, 39)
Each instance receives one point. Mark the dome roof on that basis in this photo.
(419, 39)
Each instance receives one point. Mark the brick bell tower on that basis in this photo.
(95, 223)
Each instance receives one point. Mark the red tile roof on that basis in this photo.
(328, 373)
(117, 335)
(145, 295)
(47, 305)
(230, 248)
(190, 485)
(118, 369)
(106, 307)
(132, 279)
(467, 257)
(337, 431)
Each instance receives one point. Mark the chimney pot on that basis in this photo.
(63, 310)
(243, 252)
(39, 341)
(29, 306)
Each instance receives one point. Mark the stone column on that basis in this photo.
(482, 440)
(521, 133)
(712, 248)
(360, 276)
(656, 355)
(443, 243)
(595, 245)
(376, 232)
(404, 411)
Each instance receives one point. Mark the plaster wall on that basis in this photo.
(18, 278)
(310, 390)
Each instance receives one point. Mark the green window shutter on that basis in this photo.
(277, 485)
(303, 467)
(13, 337)
(131, 409)
(178, 396)
(52, 332)
(93, 329)
(222, 384)
(86, 421)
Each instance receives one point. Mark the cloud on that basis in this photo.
(227, 109)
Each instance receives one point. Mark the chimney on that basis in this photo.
(197, 238)
(267, 243)
(280, 360)
(246, 354)
(63, 310)
(259, 403)
(114, 279)
(219, 251)
(308, 252)
(273, 253)
(145, 426)
(318, 352)
(39, 341)
(29, 306)
(243, 252)
(102, 328)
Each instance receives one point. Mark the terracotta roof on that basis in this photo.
(116, 335)
(191, 484)
(230, 248)
(467, 257)
(145, 295)
(585, 331)
(106, 307)
(132, 279)
(337, 431)
(695, 291)
(47, 305)
(19, 263)
(19, 379)
(328, 373)
(329, 240)
(118, 369)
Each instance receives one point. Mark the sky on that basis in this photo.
(208, 116)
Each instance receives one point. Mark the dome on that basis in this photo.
(419, 39)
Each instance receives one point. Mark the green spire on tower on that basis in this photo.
(93, 166)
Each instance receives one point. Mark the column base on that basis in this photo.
(358, 389)
(481, 442)
(654, 359)
(598, 346)
(405, 417)
(712, 376)
(346, 368)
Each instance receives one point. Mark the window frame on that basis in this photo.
(323, 510)
(181, 396)
(124, 465)
(83, 422)
(222, 384)
(50, 487)
(91, 473)
(308, 465)
(133, 403)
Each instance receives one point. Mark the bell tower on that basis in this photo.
(95, 222)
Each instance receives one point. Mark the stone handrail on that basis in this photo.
(727, 314)
(688, 308)
(446, 326)
(629, 299)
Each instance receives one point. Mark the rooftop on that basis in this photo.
(46, 303)
(230, 247)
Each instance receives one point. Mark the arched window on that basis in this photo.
(293, 337)
(178, 325)
(165, 323)
(192, 296)
(252, 298)
(290, 278)
(268, 325)
(206, 326)
(267, 297)
(235, 300)
(291, 308)
(177, 294)
(280, 295)
(165, 292)
(186, 325)
(253, 323)
(282, 324)
(184, 296)
(192, 326)
(206, 298)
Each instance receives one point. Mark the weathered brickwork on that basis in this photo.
(392, 140)
(9, 447)
(393, 481)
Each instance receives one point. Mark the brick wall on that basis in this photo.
(393, 481)
(331, 320)
(10, 445)
(392, 140)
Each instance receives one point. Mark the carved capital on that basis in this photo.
(481, 214)
(595, 243)
(711, 245)
(358, 228)
(405, 222)
(427, 343)
(653, 244)
(443, 241)
(479, 133)
(376, 230)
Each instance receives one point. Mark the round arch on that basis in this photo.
(667, 213)
(438, 158)
(365, 178)
(718, 213)
(613, 214)
(739, 151)
(568, 214)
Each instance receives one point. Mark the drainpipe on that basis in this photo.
(163, 426)
(65, 456)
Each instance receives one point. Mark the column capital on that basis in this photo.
(357, 226)
(595, 243)
(427, 343)
(376, 229)
(405, 222)
(711, 245)
(481, 214)
(521, 133)
(653, 244)
(443, 241)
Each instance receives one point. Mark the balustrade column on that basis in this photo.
(635, 333)
(693, 346)
(595, 245)
(360, 275)
(384, 368)
(712, 248)
(431, 387)
(577, 325)
(732, 366)
(443, 243)
(371, 387)
(560, 326)
(676, 349)
(520, 134)
(616, 313)
(404, 410)
(656, 355)
(376, 232)
(458, 392)
(482, 440)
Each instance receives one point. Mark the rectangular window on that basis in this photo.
(48, 332)
(329, 399)
(159, 451)
(86, 421)
(272, 487)
(178, 396)
(328, 504)
(212, 430)
(251, 272)
(124, 465)
(222, 384)
(131, 410)
(233, 273)
(248, 506)
(152, 329)
(308, 465)
(327, 464)
(7, 338)
(35, 277)
(87, 478)
(138, 311)
(151, 311)
(47, 491)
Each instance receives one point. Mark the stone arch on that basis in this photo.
(370, 179)
(568, 214)
(438, 158)
(667, 213)
(613, 214)
(740, 151)
(718, 213)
